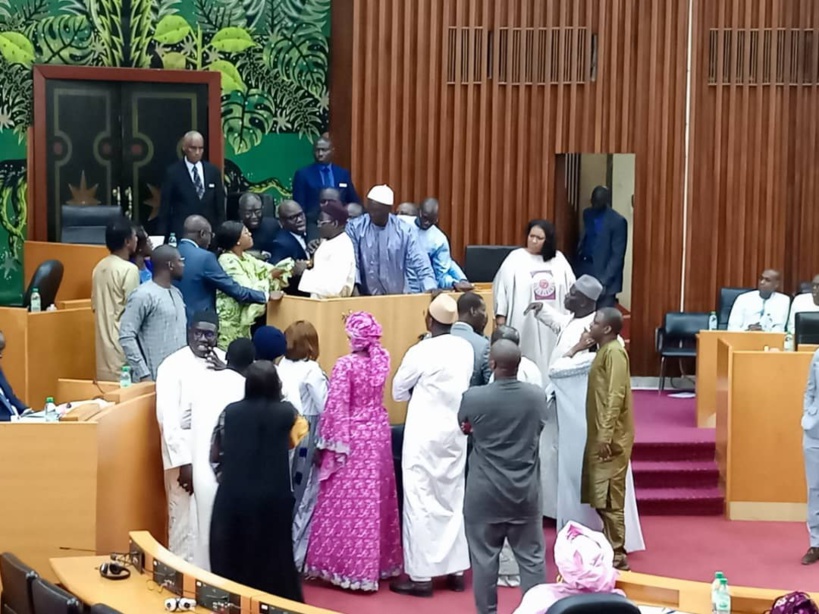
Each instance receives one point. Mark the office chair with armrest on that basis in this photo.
(85, 224)
(47, 279)
(101, 608)
(806, 325)
(678, 337)
(17, 578)
(594, 603)
(727, 297)
(481, 262)
(51, 599)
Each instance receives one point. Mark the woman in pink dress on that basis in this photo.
(355, 539)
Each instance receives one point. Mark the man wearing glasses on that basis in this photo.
(291, 242)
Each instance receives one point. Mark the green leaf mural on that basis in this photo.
(232, 40)
(246, 118)
(172, 30)
(231, 79)
(16, 48)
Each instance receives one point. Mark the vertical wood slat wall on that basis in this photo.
(440, 97)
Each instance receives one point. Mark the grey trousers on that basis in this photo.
(485, 543)
(810, 448)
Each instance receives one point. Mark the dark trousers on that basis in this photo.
(607, 300)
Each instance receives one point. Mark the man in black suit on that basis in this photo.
(191, 187)
(291, 242)
(10, 405)
(262, 229)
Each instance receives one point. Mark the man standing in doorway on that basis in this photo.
(602, 250)
(191, 187)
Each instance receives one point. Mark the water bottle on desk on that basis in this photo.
(35, 304)
(51, 414)
(789, 342)
(720, 595)
(125, 377)
(172, 239)
(712, 321)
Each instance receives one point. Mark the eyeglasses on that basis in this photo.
(295, 217)
(207, 335)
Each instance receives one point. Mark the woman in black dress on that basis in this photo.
(251, 533)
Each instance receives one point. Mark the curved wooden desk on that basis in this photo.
(140, 594)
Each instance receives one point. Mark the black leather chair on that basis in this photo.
(594, 603)
(85, 224)
(47, 279)
(101, 608)
(481, 262)
(51, 599)
(727, 296)
(806, 325)
(232, 206)
(804, 287)
(678, 337)
(17, 578)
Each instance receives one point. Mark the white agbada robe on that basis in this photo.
(569, 382)
(522, 279)
(214, 392)
(177, 379)
(433, 376)
(333, 272)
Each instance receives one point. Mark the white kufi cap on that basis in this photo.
(382, 194)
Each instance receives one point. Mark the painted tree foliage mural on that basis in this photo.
(272, 56)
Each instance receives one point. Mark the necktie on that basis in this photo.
(326, 180)
(197, 183)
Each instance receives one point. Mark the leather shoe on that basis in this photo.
(621, 564)
(456, 583)
(414, 589)
(811, 556)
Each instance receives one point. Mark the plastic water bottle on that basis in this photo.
(35, 306)
(712, 321)
(789, 342)
(721, 597)
(172, 239)
(125, 377)
(51, 414)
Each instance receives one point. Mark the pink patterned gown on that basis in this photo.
(355, 539)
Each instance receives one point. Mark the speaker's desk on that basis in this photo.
(80, 486)
(402, 317)
(44, 347)
(707, 364)
(139, 594)
(758, 432)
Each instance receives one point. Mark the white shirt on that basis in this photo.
(195, 168)
(803, 303)
(301, 240)
(750, 308)
(333, 272)
(312, 384)
(528, 373)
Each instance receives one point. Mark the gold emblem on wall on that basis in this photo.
(83, 195)
(154, 201)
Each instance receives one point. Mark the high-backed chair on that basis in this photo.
(804, 287)
(806, 325)
(50, 599)
(47, 279)
(85, 224)
(594, 603)
(727, 296)
(17, 578)
(678, 337)
(101, 608)
(481, 262)
(232, 206)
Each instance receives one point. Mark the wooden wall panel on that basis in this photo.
(487, 146)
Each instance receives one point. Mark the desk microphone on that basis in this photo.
(180, 604)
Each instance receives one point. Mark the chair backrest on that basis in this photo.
(804, 287)
(594, 603)
(50, 599)
(47, 279)
(101, 608)
(85, 224)
(17, 578)
(727, 296)
(806, 326)
(481, 262)
(682, 326)
(232, 206)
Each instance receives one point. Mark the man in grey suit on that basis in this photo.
(470, 325)
(503, 498)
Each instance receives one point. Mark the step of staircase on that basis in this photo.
(679, 474)
(663, 451)
(680, 501)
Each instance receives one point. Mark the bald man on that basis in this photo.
(191, 187)
(609, 430)
(503, 495)
(763, 309)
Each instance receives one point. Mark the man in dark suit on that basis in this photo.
(203, 275)
(191, 187)
(291, 242)
(10, 405)
(309, 180)
(602, 249)
(262, 229)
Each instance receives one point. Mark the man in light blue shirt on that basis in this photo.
(448, 275)
(810, 447)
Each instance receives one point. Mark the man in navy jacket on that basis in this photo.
(203, 274)
(8, 401)
(291, 242)
(310, 180)
(602, 249)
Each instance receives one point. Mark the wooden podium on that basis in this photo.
(401, 316)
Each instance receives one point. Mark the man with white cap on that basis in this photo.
(387, 249)
(561, 451)
(433, 376)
